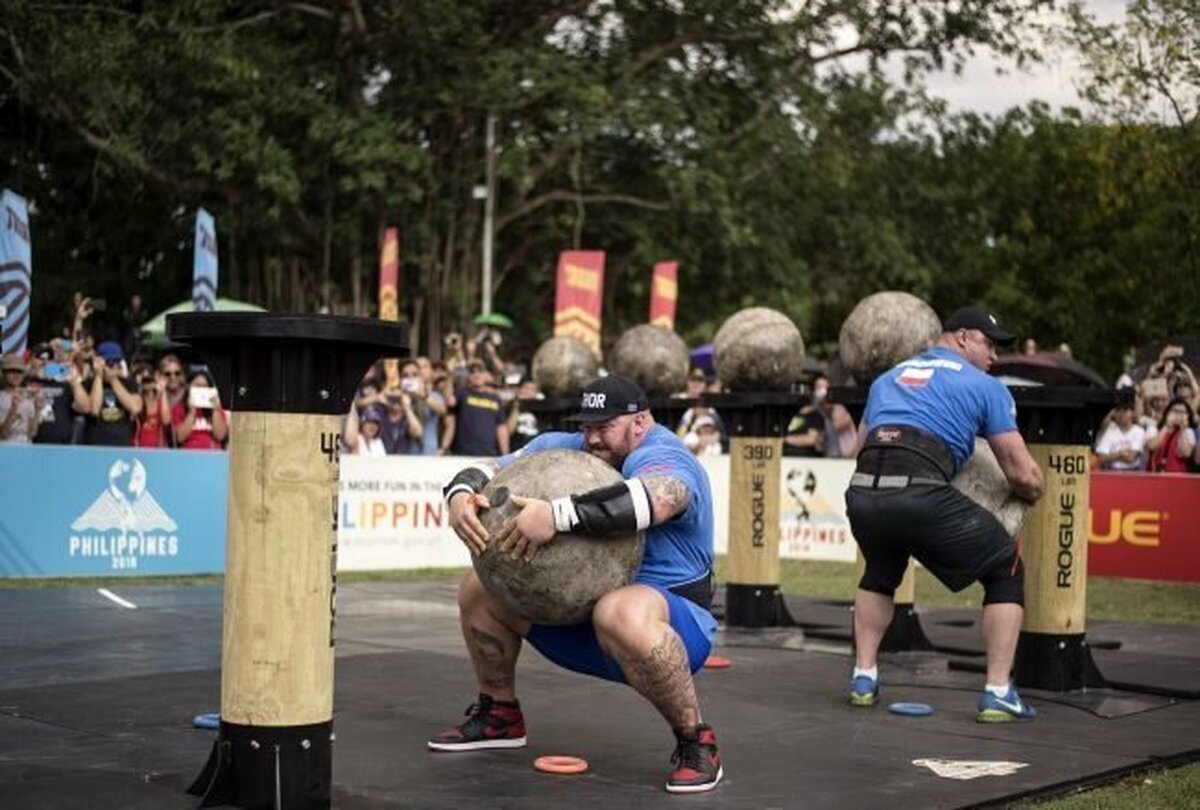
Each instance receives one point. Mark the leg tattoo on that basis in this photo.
(664, 678)
(493, 662)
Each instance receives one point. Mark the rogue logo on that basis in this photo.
(1066, 538)
(1140, 527)
(757, 509)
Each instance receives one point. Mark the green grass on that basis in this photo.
(1179, 787)
(1108, 599)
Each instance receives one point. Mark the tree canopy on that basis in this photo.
(763, 144)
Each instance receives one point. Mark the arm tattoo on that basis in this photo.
(668, 496)
(665, 679)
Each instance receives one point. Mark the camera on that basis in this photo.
(411, 385)
(99, 304)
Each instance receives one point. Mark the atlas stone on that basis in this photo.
(568, 575)
(884, 329)
(562, 366)
(655, 358)
(982, 480)
(758, 349)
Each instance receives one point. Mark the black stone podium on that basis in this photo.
(288, 380)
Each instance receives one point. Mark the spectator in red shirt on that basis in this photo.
(150, 425)
(199, 422)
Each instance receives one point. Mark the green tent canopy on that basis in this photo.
(154, 331)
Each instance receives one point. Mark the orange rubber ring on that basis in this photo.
(566, 765)
(718, 662)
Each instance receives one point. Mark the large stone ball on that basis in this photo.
(655, 358)
(758, 349)
(884, 329)
(562, 366)
(982, 480)
(568, 575)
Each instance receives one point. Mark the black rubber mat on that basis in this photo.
(97, 712)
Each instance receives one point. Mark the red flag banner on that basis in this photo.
(389, 276)
(579, 294)
(389, 295)
(664, 292)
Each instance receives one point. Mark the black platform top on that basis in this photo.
(200, 327)
(302, 364)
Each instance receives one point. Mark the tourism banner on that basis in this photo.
(580, 291)
(16, 273)
(92, 511)
(664, 292)
(204, 278)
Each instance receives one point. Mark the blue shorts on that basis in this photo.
(574, 646)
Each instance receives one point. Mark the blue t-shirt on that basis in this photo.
(941, 393)
(678, 551)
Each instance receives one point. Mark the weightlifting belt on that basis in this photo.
(892, 481)
(893, 452)
(699, 591)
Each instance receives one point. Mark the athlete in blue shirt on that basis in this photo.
(652, 634)
(918, 429)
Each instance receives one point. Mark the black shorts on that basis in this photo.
(951, 535)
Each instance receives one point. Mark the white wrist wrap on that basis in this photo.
(565, 516)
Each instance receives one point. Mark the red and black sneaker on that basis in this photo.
(490, 724)
(698, 764)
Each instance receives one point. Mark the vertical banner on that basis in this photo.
(389, 276)
(204, 278)
(664, 291)
(389, 295)
(580, 291)
(16, 273)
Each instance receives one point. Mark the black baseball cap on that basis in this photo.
(607, 398)
(976, 318)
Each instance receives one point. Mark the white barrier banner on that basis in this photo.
(391, 514)
(812, 510)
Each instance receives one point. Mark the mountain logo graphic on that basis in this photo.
(126, 505)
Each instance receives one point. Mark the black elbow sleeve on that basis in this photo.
(622, 507)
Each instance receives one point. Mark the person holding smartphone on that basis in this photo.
(1172, 449)
(150, 424)
(198, 421)
(18, 410)
(114, 399)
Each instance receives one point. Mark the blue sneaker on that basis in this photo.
(864, 691)
(1005, 709)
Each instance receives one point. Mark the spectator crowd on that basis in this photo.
(76, 389)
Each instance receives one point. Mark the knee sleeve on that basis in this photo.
(1005, 583)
